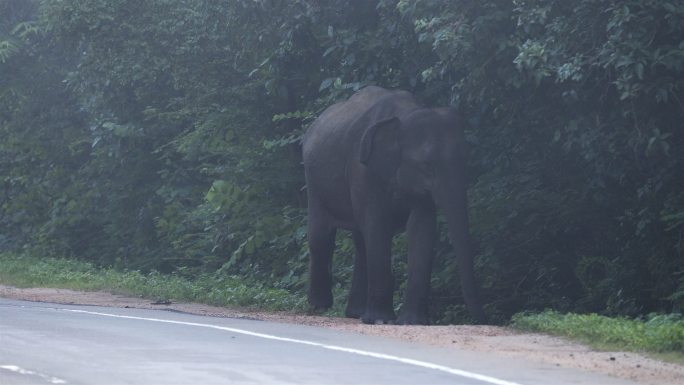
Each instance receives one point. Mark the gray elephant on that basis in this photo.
(376, 164)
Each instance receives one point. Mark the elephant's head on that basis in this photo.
(424, 151)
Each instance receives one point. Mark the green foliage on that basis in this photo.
(163, 135)
(214, 289)
(654, 333)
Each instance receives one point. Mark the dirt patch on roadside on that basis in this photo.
(499, 340)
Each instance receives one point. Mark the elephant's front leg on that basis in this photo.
(421, 231)
(379, 308)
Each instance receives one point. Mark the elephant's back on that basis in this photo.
(341, 123)
(324, 133)
(331, 146)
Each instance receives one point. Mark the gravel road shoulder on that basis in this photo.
(499, 340)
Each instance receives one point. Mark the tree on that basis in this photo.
(164, 135)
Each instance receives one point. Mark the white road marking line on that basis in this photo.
(16, 369)
(382, 356)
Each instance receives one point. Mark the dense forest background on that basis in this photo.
(164, 135)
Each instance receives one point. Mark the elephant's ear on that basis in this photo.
(380, 148)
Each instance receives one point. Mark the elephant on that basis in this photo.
(376, 164)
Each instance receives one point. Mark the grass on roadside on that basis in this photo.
(213, 289)
(662, 335)
(659, 334)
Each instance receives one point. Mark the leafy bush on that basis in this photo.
(163, 136)
(210, 288)
(654, 333)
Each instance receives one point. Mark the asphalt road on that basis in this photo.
(44, 343)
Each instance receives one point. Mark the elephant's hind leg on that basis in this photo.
(358, 293)
(321, 246)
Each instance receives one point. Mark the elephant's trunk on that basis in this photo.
(454, 202)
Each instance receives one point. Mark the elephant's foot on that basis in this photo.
(354, 310)
(378, 317)
(316, 310)
(353, 313)
(320, 301)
